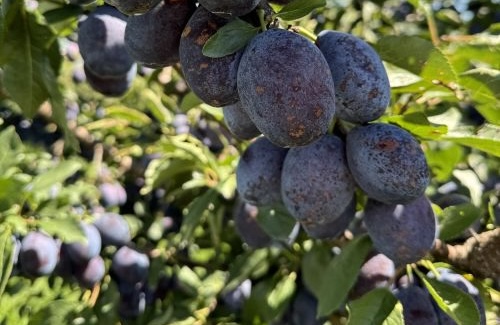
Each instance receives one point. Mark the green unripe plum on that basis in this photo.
(286, 87)
(362, 90)
(152, 39)
(213, 80)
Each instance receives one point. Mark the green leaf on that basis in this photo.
(229, 38)
(484, 87)
(155, 106)
(283, 292)
(57, 312)
(195, 212)
(456, 303)
(60, 14)
(372, 308)
(456, 219)
(341, 275)
(68, 229)
(486, 139)
(443, 159)
(396, 316)
(276, 222)
(132, 116)
(58, 174)
(7, 255)
(313, 265)
(299, 8)
(244, 266)
(190, 100)
(418, 56)
(10, 192)
(417, 124)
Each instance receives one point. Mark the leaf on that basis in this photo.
(443, 160)
(8, 247)
(68, 229)
(456, 303)
(195, 212)
(132, 116)
(486, 139)
(313, 265)
(190, 100)
(58, 174)
(456, 219)
(341, 274)
(299, 8)
(484, 87)
(57, 312)
(417, 124)
(276, 222)
(229, 38)
(396, 316)
(418, 56)
(155, 106)
(244, 266)
(283, 292)
(372, 308)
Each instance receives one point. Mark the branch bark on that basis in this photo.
(479, 255)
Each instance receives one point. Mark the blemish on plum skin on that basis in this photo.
(203, 65)
(373, 93)
(259, 89)
(203, 38)
(387, 144)
(186, 32)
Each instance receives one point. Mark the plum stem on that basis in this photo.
(305, 32)
(261, 13)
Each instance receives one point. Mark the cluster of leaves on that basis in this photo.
(445, 92)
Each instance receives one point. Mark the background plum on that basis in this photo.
(82, 252)
(113, 228)
(39, 254)
(239, 123)
(131, 7)
(377, 271)
(247, 225)
(417, 304)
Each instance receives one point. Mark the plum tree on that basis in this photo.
(113, 228)
(211, 79)
(377, 271)
(362, 90)
(132, 7)
(229, 8)
(404, 233)
(81, 253)
(258, 174)
(247, 225)
(152, 39)
(417, 304)
(38, 255)
(387, 163)
(286, 88)
(90, 273)
(316, 184)
(101, 39)
(239, 123)
(331, 228)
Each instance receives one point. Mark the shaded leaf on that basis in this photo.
(229, 38)
(299, 8)
(341, 275)
(58, 174)
(276, 222)
(456, 219)
(486, 139)
(417, 124)
(195, 212)
(313, 265)
(372, 308)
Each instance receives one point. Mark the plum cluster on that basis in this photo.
(42, 255)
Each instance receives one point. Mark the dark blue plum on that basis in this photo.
(113, 228)
(133, 7)
(377, 271)
(39, 254)
(417, 304)
(82, 252)
(404, 233)
(362, 90)
(112, 194)
(239, 123)
(130, 266)
(247, 226)
(316, 184)
(213, 80)
(101, 41)
(229, 8)
(258, 174)
(152, 38)
(387, 163)
(286, 88)
(90, 273)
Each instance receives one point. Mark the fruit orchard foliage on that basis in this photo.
(119, 199)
